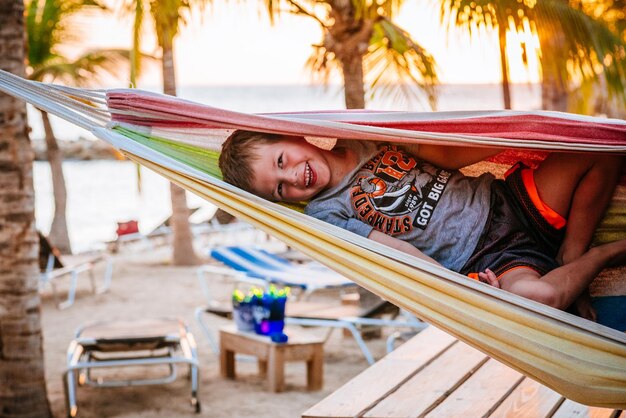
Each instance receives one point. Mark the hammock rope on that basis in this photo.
(582, 360)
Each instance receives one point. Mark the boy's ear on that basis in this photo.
(321, 142)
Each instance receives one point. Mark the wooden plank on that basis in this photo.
(421, 342)
(374, 383)
(571, 409)
(481, 393)
(529, 399)
(432, 384)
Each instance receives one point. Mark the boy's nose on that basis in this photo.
(292, 177)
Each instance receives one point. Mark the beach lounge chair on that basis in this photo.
(260, 264)
(117, 344)
(53, 267)
(260, 267)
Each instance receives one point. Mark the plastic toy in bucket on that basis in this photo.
(268, 310)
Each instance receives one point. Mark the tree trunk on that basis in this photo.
(59, 235)
(554, 78)
(352, 67)
(504, 65)
(183, 252)
(22, 379)
(554, 95)
(348, 38)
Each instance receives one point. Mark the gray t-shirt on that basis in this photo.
(440, 212)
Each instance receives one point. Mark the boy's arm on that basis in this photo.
(451, 157)
(400, 245)
(486, 277)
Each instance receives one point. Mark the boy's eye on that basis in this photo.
(280, 161)
(279, 189)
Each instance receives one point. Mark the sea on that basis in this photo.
(104, 192)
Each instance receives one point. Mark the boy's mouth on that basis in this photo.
(309, 175)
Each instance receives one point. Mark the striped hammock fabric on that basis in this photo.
(584, 361)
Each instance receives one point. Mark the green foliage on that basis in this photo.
(48, 27)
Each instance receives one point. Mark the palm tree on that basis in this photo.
(576, 45)
(360, 39)
(47, 29)
(573, 44)
(23, 385)
(168, 17)
(603, 100)
(472, 17)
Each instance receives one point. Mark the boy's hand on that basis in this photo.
(490, 278)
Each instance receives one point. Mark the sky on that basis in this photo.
(233, 43)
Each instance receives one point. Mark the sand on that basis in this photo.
(145, 284)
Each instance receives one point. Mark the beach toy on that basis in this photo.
(268, 310)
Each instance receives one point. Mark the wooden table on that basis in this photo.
(435, 375)
(302, 346)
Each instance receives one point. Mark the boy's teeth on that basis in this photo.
(307, 175)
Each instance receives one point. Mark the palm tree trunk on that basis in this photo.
(59, 235)
(22, 379)
(504, 65)
(352, 67)
(183, 252)
(554, 95)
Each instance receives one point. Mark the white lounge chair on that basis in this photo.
(53, 268)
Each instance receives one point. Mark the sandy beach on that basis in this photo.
(145, 285)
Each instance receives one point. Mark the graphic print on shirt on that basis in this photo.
(396, 193)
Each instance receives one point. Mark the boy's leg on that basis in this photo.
(560, 287)
(578, 187)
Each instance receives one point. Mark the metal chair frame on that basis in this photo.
(82, 357)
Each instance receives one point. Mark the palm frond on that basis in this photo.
(47, 26)
(322, 64)
(396, 64)
(591, 47)
(85, 70)
(575, 45)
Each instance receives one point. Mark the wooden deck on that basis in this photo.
(435, 375)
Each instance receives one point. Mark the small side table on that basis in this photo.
(302, 346)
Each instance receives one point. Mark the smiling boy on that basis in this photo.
(511, 234)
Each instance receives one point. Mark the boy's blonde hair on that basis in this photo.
(238, 152)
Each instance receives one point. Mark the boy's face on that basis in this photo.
(290, 170)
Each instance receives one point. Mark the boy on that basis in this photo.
(510, 234)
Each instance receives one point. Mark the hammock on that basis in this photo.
(584, 361)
